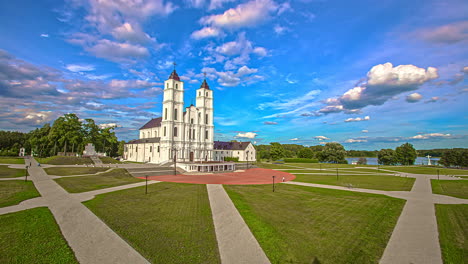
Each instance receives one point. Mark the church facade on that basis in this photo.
(182, 134)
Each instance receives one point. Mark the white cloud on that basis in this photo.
(260, 51)
(400, 76)
(39, 117)
(246, 135)
(432, 135)
(294, 139)
(446, 34)
(133, 34)
(358, 119)
(352, 140)
(247, 14)
(365, 131)
(80, 67)
(321, 138)
(280, 29)
(103, 126)
(413, 98)
(44, 35)
(207, 32)
(433, 99)
(286, 104)
(116, 51)
(270, 123)
(214, 4)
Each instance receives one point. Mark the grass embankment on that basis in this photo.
(426, 170)
(384, 183)
(33, 236)
(451, 188)
(6, 172)
(11, 160)
(112, 178)
(14, 192)
(109, 160)
(67, 171)
(64, 160)
(171, 224)
(452, 221)
(298, 224)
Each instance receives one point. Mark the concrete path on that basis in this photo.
(235, 241)
(91, 240)
(86, 196)
(79, 175)
(24, 205)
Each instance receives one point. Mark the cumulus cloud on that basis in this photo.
(321, 138)
(246, 135)
(383, 82)
(358, 119)
(413, 98)
(270, 123)
(80, 67)
(118, 52)
(294, 139)
(107, 125)
(446, 34)
(433, 99)
(352, 140)
(133, 34)
(44, 35)
(207, 32)
(431, 136)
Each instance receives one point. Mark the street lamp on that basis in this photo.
(273, 183)
(26, 179)
(146, 188)
(247, 152)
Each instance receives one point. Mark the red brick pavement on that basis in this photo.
(250, 176)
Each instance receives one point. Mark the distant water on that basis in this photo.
(419, 161)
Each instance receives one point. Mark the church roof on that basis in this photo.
(174, 76)
(219, 145)
(205, 85)
(155, 122)
(145, 140)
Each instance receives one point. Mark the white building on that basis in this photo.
(185, 134)
(245, 151)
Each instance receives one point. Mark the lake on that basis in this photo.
(419, 161)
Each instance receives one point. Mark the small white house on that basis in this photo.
(245, 151)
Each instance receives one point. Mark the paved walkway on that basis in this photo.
(235, 241)
(91, 240)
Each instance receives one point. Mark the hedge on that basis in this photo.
(300, 160)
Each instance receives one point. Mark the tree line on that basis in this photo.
(67, 134)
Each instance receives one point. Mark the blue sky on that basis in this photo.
(367, 74)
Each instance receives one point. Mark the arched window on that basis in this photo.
(206, 134)
(158, 149)
(176, 86)
(165, 113)
(199, 118)
(206, 118)
(136, 149)
(206, 93)
(191, 120)
(164, 131)
(175, 114)
(175, 131)
(151, 148)
(199, 93)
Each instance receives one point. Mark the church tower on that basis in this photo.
(172, 117)
(204, 104)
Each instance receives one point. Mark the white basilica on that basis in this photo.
(182, 134)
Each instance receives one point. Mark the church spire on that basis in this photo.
(174, 74)
(205, 84)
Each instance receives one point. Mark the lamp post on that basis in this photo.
(336, 173)
(438, 174)
(175, 160)
(247, 152)
(146, 188)
(273, 183)
(26, 179)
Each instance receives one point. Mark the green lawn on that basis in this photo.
(67, 171)
(6, 172)
(112, 178)
(171, 224)
(298, 224)
(15, 191)
(109, 160)
(384, 183)
(11, 160)
(62, 160)
(455, 188)
(452, 221)
(426, 170)
(33, 236)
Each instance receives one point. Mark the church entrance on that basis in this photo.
(191, 156)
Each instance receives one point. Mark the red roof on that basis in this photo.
(174, 76)
(205, 85)
(155, 122)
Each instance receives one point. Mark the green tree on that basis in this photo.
(276, 151)
(386, 157)
(333, 152)
(362, 161)
(305, 153)
(406, 154)
(455, 158)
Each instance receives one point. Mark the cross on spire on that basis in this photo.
(174, 63)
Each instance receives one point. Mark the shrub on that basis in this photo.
(300, 160)
(236, 159)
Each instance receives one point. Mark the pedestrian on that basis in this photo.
(283, 178)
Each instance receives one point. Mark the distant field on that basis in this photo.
(112, 178)
(6, 172)
(33, 236)
(67, 171)
(15, 191)
(452, 221)
(62, 160)
(384, 183)
(171, 224)
(109, 160)
(298, 224)
(11, 160)
(455, 188)
(426, 170)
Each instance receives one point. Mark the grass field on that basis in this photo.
(6, 172)
(33, 236)
(11, 160)
(455, 188)
(426, 170)
(62, 160)
(109, 160)
(67, 171)
(171, 224)
(16, 191)
(112, 178)
(384, 183)
(300, 224)
(452, 221)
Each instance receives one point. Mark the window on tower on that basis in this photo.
(206, 134)
(191, 120)
(175, 114)
(164, 131)
(165, 113)
(176, 86)
(158, 149)
(206, 118)
(175, 131)
(151, 149)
